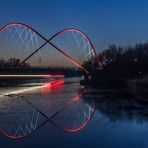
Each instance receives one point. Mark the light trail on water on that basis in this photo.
(49, 84)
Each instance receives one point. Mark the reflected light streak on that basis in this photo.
(54, 86)
(49, 84)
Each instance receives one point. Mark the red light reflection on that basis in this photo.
(55, 85)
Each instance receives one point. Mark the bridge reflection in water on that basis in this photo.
(28, 116)
(24, 112)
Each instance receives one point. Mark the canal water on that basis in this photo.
(37, 114)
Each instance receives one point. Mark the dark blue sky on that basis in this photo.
(121, 22)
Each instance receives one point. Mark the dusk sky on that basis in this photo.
(104, 21)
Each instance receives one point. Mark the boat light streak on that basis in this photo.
(48, 75)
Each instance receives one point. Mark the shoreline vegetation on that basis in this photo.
(122, 62)
(124, 69)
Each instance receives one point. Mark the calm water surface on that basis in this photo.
(59, 116)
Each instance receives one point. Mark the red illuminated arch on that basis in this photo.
(61, 51)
